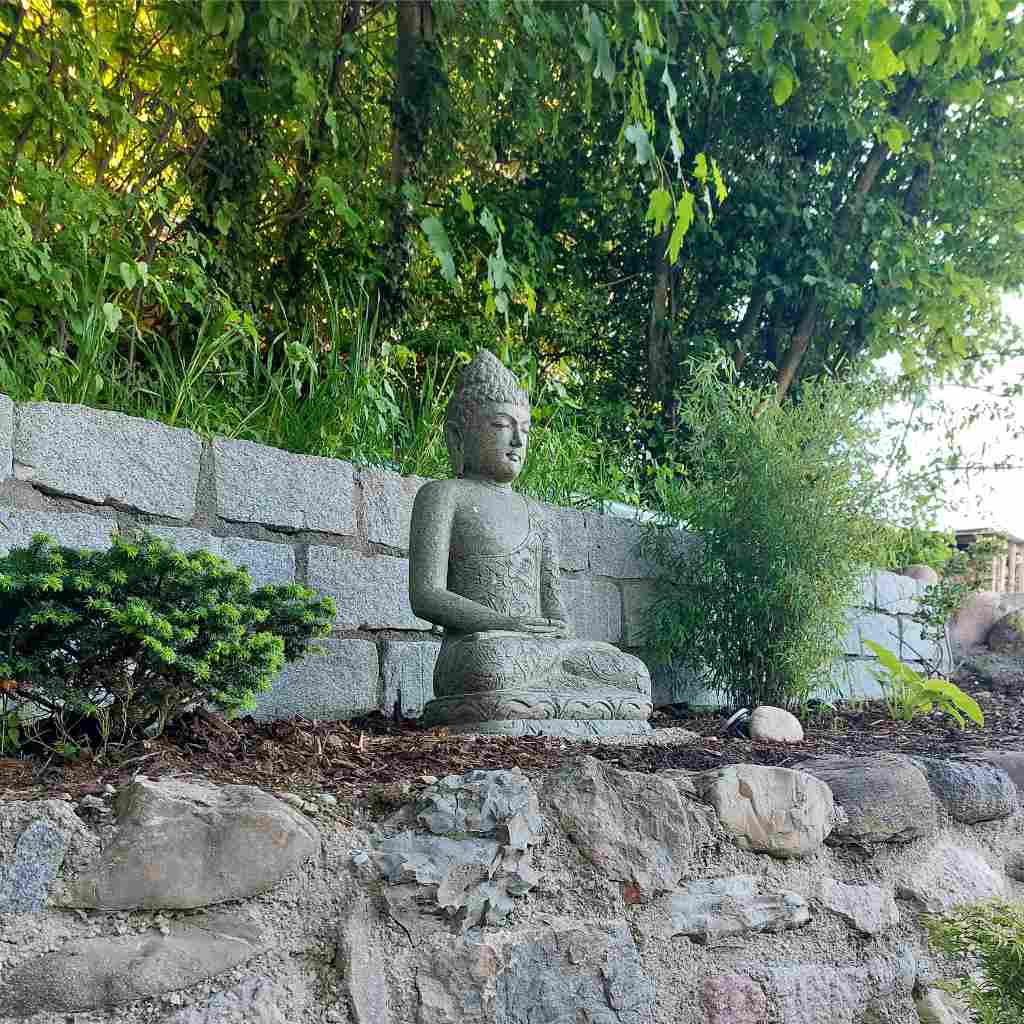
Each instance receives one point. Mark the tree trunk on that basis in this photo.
(416, 93)
(660, 376)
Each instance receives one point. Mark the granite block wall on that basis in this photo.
(80, 474)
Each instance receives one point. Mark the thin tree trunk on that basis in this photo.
(659, 331)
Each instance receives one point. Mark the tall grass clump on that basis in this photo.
(782, 498)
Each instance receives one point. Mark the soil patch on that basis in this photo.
(376, 758)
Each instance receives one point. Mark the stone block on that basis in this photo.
(881, 629)
(570, 528)
(637, 598)
(6, 437)
(854, 679)
(341, 683)
(370, 591)
(72, 529)
(678, 683)
(594, 608)
(408, 668)
(896, 594)
(108, 458)
(259, 484)
(185, 538)
(850, 642)
(383, 496)
(913, 644)
(864, 594)
(613, 548)
(266, 561)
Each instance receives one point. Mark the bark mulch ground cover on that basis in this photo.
(374, 757)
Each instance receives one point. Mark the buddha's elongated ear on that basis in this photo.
(456, 449)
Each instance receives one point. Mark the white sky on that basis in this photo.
(994, 498)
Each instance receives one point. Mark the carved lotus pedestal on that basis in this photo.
(507, 684)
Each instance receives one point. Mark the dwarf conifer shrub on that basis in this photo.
(133, 636)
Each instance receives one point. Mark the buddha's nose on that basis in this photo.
(517, 438)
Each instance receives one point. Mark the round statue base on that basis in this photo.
(566, 728)
(584, 714)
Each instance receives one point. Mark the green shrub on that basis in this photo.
(992, 934)
(782, 499)
(131, 637)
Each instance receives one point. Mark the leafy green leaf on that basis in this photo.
(659, 209)
(700, 168)
(215, 16)
(782, 85)
(684, 218)
(884, 63)
(437, 237)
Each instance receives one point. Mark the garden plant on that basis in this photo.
(120, 642)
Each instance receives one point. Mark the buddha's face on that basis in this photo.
(495, 447)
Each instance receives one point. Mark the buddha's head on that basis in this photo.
(488, 422)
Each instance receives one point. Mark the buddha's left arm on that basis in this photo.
(551, 606)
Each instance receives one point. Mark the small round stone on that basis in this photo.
(775, 725)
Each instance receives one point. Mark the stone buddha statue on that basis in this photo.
(483, 564)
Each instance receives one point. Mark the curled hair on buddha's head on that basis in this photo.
(484, 380)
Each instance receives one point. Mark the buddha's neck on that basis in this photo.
(488, 482)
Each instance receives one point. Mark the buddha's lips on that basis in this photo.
(512, 456)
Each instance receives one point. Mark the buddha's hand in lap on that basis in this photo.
(551, 629)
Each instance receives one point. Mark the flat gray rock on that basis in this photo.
(633, 827)
(467, 854)
(868, 908)
(87, 974)
(362, 966)
(1013, 859)
(733, 999)
(181, 845)
(769, 810)
(1010, 761)
(885, 797)
(970, 792)
(38, 855)
(257, 1000)
(40, 842)
(562, 972)
(1007, 635)
(949, 875)
(878, 989)
(710, 910)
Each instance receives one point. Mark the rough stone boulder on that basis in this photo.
(922, 573)
(560, 971)
(181, 845)
(634, 827)
(1007, 635)
(878, 989)
(87, 974)
(774, 725)
(468, 854)
(970, 792)
(1009, 761)
(868, 908)
(1013, 861)
(769, 810)
(885, 798)
(712, 909)
(947, 876)
(984, 669)
(37, 838)
(975, 617)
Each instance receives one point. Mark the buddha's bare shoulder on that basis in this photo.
(437, 495)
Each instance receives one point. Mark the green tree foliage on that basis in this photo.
(133, 636)
(782, 503)
(610, 188)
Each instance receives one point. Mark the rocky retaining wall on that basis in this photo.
(745, 895)
(79, 474)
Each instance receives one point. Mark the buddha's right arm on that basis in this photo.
(429, 538)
